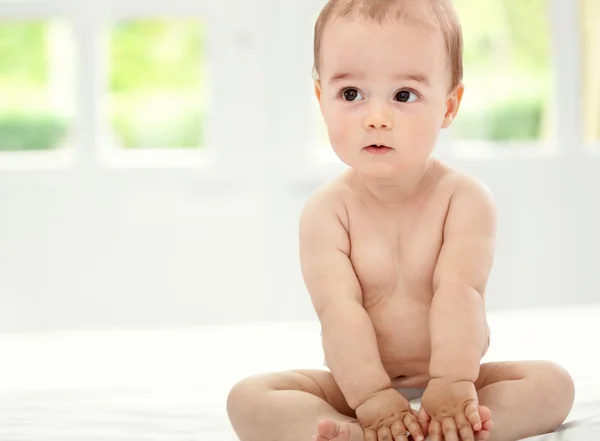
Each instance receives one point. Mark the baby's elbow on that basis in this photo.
(460, 290)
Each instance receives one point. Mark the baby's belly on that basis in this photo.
(403, 339)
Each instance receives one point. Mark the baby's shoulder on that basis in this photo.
(327, 201)
(469, 200)
(458, 183)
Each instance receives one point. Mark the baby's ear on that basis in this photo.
(452, 105)
(318, 91)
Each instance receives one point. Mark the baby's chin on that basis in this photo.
(388, 165)
(382, 172)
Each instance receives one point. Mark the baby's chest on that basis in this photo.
(387, 259)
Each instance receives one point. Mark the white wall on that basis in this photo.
(90, 245)
(148, 248)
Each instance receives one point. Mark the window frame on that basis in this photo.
(277, 34)
(229, 41)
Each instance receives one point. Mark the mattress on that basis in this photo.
(172, 384)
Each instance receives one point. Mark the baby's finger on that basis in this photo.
(421, 423)
(370, 435)
(464, 428)
(424, 420)
(413, 426)
(399, 431)
(488, 425)
(472, 412)
(384, 434)
(423, 415)
(449, 429)
(435, 431)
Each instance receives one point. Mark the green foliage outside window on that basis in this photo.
(156, 79)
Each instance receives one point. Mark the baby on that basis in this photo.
(395, 254)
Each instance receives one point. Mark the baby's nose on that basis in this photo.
(377, 120)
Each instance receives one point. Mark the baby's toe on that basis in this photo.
(330, 430)
(485, 414)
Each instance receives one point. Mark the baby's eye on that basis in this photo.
(404, 96)
(351, 94)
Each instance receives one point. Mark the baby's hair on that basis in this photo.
(437, 15)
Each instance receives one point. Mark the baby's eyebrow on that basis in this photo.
(414, 76)
(342, 76)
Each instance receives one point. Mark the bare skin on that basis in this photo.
(516, 399)
(395, 255)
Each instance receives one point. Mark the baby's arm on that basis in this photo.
(458, 323)
(349, 340)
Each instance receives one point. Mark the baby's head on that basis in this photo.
(387, 72)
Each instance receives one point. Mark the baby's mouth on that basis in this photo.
(378, 147)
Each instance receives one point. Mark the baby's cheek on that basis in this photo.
(339, 134)
(425, 134)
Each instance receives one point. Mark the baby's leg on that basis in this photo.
(289, 406)
(525, 398)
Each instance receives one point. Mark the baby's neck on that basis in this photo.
(399, 189)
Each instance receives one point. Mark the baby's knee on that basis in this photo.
(560, 386)
(243, 394)
(252, 392)
(558, 375)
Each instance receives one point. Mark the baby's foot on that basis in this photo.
(330, 430)
(486, 423)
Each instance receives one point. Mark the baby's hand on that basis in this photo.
(452, 411)
(387, 416)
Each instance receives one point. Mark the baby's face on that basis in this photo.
(384, 85)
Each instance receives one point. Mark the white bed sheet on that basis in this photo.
(172, 385)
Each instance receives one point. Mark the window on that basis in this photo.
(591, 69)
(36, 85)
(122, 86)
(157, 83)
(508, 72)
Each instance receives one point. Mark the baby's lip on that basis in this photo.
(378, 145)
